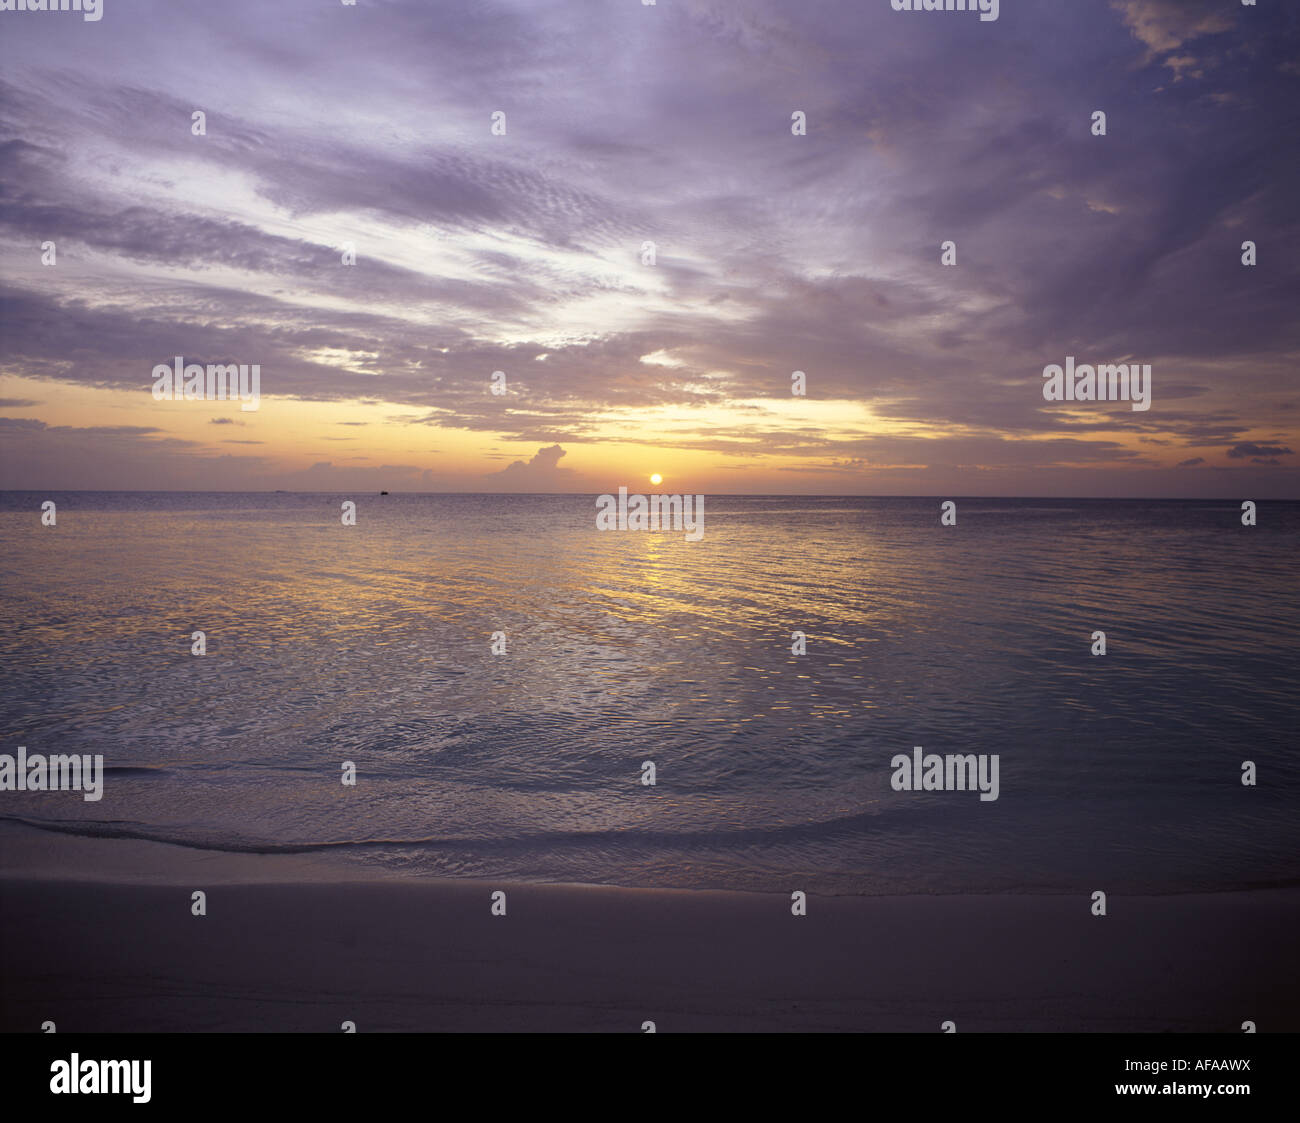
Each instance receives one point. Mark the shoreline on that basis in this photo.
(32, 853)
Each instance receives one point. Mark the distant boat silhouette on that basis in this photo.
(383, 493)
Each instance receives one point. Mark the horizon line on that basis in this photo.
(565, 494)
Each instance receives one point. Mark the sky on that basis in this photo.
(328, 125)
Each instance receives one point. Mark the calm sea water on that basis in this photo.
(371, 644)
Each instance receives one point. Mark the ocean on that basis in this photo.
(373, 644)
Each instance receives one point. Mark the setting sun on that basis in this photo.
(656, 479)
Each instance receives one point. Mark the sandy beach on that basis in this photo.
(279, 950)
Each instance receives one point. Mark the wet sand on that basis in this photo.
(280, 950)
